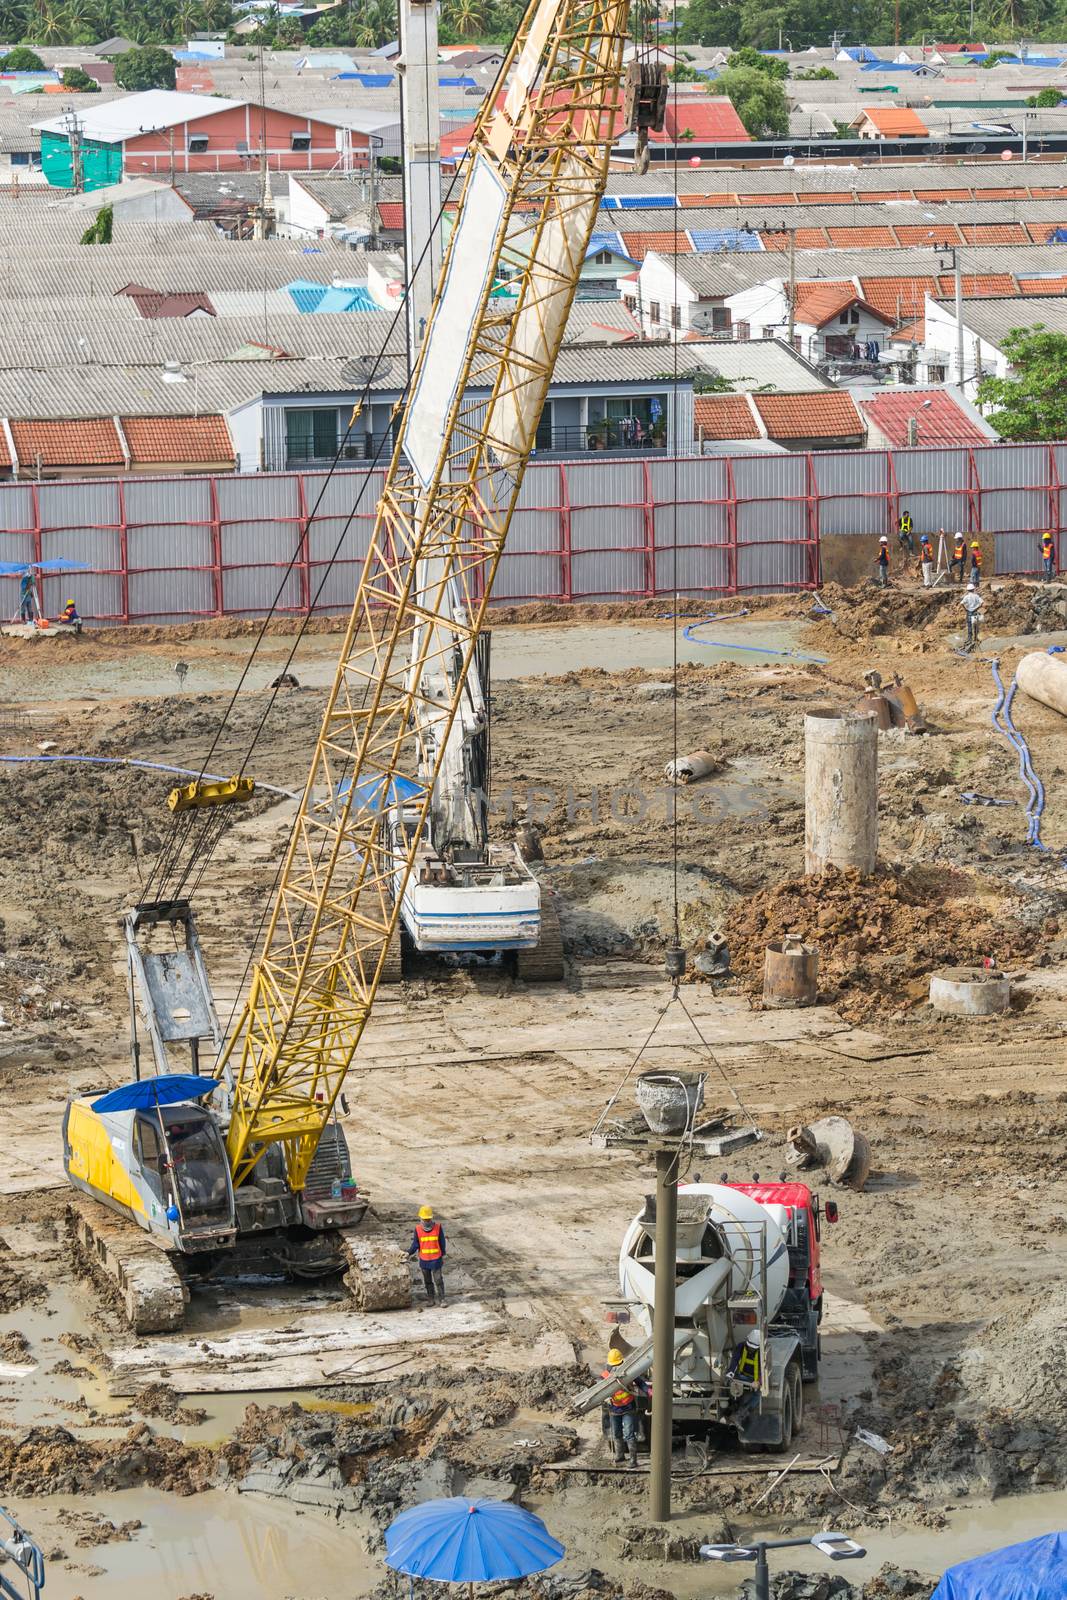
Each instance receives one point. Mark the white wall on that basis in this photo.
(942, 348)
(658, 286)
(306, 216)
(764, 307)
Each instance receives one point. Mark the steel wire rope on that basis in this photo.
(676, 328)
(166, 862)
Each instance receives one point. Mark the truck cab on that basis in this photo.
(801, 1309)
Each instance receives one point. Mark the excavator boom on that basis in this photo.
(536, 170)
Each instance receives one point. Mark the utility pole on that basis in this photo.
(373, 140)
(792, 283)
(958, 283)
(420, 119)
(74, 138)
(659, 1508)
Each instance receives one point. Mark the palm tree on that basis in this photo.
(469, 18)
(47, 23)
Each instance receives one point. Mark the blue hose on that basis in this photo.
(760, 649)
(1036, 789)
(146, 766)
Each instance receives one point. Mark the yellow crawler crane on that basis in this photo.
(537, 168)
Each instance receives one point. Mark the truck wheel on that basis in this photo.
(798, 1400)
(787, 1414)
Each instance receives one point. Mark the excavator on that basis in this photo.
(251, 1165)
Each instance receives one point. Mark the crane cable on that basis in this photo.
(200, 854)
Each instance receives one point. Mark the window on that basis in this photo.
(854, 315)
(311, 435)
(630, 302)
(20, 158)
(843, 319)
(301, 141)
(676, 316)
(197, 145)
(653, 311)
(743, 331)
(936, 374)
(720, 318)
(603, 258)
(543, 438)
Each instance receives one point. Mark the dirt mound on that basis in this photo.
(866, 613)
(878, 937)
(1032, 1389)
(53, 1461)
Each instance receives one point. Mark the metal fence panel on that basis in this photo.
(17, 511)
(853, 491)
(773, 566)
(1016, 553)
(532, 564)
(79, 505)
(160, 596)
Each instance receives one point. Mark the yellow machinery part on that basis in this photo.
(93, 1159)
(218, 792)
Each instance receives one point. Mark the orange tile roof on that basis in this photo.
(391, 215)
(940, 422)
(723, 416)
(976, 286)
(1041, 231)
(938, 194)
(5, 454)
(929, 235)
(725, 197)
(994, 233)
(1048, 194)
(87, 442)
(896, 122)
(826, 414)
(862, 238)
(836, 197)
(819, 304)
(204, 441)
(1000, 194)
(898, 297)
(807, 239)
(639, 244)
(910, 333)
(1043, 285)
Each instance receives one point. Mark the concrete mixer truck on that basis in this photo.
(748, 1303)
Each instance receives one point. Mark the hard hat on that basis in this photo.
(884, 539)
(752, 1342)
(70, 602)
(426, 1213)
(974, 544)
(615, 1358)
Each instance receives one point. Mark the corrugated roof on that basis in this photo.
(723, 416)
(829, 415)
(896, 122)
(125, 118)
(710, 120)
(163, 440)
(937, 417)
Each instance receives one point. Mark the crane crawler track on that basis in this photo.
(142, 1280)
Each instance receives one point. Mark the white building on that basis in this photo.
(832, 319)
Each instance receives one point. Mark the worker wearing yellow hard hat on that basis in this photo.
(621, 1409)
(428, 1246)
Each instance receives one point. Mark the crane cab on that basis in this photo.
(164, 1168)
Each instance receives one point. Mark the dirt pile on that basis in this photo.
(1011, 607)
(18, 1287)
(878, 937)
(53, 1461)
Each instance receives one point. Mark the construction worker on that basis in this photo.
(883, 561)
(926, 561)
(959, 556)
(621, 1409)
(976, 563)
(904, 527)
(428, 1244)
(69, 615)
(1048, 557)
(27, 596)
(745, 1365)
(972, 605)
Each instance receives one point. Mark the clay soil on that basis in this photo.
(946, 1274)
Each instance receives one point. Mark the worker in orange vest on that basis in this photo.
(428, 1245)
(925, 563)
(959, 557)
(882, 562)
(621, 1409)
(1048, 557)
(976, 563)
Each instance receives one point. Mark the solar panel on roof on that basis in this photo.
(713, 239)
(645, 202)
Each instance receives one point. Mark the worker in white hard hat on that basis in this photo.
(883, 561)
(621, 1409)
(428, 1245)
(746, 1361)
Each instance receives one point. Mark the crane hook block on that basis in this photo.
(644, 104)
(218, 792)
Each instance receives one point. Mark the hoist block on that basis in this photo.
(644, 103)
(219, 792)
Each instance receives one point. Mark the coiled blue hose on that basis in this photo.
(1036, 789)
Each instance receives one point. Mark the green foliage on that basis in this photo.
(710, 22)
(994, 56)
(680, 73)
(1046, 98)
(101, 229)
(148, 68)
(22, 60)
(773, 66)
(74, 78)
(1033, 403)
(759, 101)
(703, 381)
(816, 75)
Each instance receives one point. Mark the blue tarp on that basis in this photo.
(1057, 236)
(369, 80)
(457, 83)
(1036, 1570)
(469, 1541)
(724, 239)
(373, 793)
(309, 297)
(8, 569)
(892, 66)
(860, 52)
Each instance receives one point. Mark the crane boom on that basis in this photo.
(537, 168)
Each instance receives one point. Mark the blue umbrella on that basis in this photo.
(149, 1093)
(1036, 1570)
(469, 1541)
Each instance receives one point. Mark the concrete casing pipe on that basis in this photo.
(1044, 678)
(840, 791)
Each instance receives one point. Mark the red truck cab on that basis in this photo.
(802, 1307)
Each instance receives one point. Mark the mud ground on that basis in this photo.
(476, 1092)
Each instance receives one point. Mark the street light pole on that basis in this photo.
(835, 1546)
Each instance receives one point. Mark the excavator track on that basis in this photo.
(134, 1273)
(378, 1276)
(544, 963)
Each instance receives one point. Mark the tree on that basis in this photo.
(22, 60)
(759, 101)
(681, 73)
(773, 66)
(147, 68)
(1033, 403)
(709, 22)
(99, 232)
(817, 75)
(74, 78)
(1045, 99)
